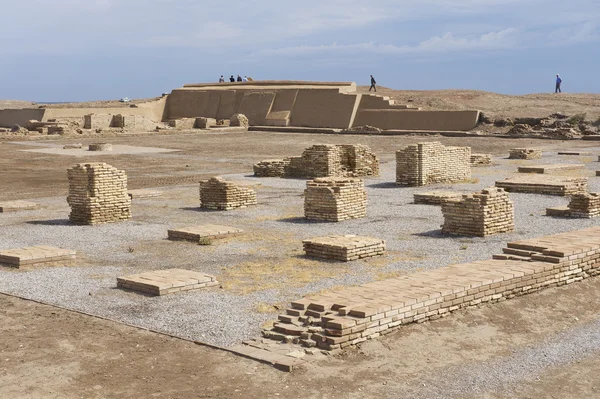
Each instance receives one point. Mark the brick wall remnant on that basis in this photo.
(583, 205)
(218, 194)
(335, 199)
(431, 162)
(481, 214)
(525, 153)
(481, 159)
(271, 167)
(98, 194)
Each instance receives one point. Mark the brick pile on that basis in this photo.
(271, 167)
(482, 214)
(328, 160)
(435, 197)
(205, 123)
(344, 248)
(218, 194)
(41, 255)
(335, 199)
(351, 315)
(525, 153)
(239, 120)
(544, 184)
(98, 194)
(163, 282)
(584, 205)
(481, 159)
(430, 163)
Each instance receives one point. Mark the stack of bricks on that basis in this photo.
(327, 160)
(481, 159)
(525, 153)
(544, 184)
(271, 167)
(430, 163)
(335, 199)
(481, 214)
(218, 194)
(584, 205)
(40, 255)
(98, 194)
(351, 315)
(344, 248)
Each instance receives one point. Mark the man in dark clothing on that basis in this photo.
(373, 82)
(558, 82)
(231, 78)
(239, 78)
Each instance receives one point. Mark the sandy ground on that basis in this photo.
(494, 351)
(52, 353)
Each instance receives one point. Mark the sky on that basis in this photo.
(75, 50)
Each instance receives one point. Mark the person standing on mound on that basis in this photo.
(558, 82)
(373, 82)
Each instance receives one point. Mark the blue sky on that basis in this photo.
(74, 50)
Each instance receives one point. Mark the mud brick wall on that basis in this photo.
(584, 205)
(352, 315)
(525, 153)
(326, 160)
(335, 199)
(544, 184)
(271, 167)
(98, 194)
(218, 194)
(482, 214)
(430, 163)
(481, 159)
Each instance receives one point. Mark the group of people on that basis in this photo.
(239, 79)
(373, 82)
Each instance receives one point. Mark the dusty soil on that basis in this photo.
(491, 352)
(53, 353)
(35, 175)
(497, 105)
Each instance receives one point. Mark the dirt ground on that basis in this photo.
(495, 351)
(53, 353)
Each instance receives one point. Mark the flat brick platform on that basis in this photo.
(208, 231)
(350, 315)
(344, 248)
(143, 193)
(163, 282)
(552, 168)
(574, 153)
(544, 184)
(13, 206)
(40, 255)
(435, 197)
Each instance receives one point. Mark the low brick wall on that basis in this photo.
(585, 205)
(430, 163)
(525, 153)
(352, 315)
(335, 199)
(218, 194)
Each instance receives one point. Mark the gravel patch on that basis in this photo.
(274, 231)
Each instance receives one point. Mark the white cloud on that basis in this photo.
(446, 43)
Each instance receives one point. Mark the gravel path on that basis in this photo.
(271, 250)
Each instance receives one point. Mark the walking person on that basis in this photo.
(239, 78)
(558, 82)
(231, 79)
(373, 82)
(221, 79)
